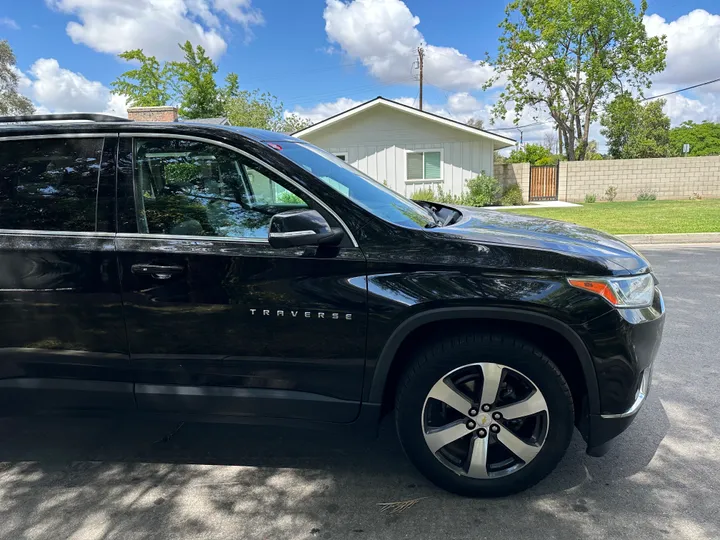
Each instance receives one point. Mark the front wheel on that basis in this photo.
(484, 415)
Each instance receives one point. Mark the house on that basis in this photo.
(406, 148)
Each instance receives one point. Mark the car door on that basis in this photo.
(218, 321)
(62, 333)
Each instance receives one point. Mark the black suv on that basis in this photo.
(228, 273)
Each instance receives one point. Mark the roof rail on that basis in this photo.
(60, 117)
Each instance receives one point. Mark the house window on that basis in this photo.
(425, 165)
(342, 155)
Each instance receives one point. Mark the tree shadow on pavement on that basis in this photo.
(93, 478)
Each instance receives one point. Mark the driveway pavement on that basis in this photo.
(92, 479)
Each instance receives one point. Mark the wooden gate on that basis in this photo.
(544, 183)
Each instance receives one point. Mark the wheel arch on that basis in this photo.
(390, 362)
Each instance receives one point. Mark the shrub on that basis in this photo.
(512, 196)
(289, 198)
(449, 198)
(610, 193)
(425, 194)
(590, 198)
(483, 190)
(545, 161)
(646, 195)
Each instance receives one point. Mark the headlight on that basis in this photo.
(621, 292)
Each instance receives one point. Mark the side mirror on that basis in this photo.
(302, 228)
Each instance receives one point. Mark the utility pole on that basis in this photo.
(421, 55)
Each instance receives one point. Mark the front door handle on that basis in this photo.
(158, 271)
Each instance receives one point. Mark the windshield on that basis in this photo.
(356, 186)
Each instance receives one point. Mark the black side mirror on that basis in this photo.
(302, 228)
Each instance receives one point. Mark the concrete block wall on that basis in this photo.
(509, 174)
(668, 178)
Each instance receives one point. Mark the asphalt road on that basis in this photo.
(92, 479)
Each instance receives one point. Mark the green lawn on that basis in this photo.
(646, 217)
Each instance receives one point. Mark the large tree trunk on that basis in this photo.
(577, 135)
(560, 141)
(570, 143)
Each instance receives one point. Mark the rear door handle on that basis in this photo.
(158, 271)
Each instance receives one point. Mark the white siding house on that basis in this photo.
(406, 148)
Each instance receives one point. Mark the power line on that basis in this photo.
(681, 90)
(416, 98)
(523, 127)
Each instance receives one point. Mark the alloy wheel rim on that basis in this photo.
(485, 420)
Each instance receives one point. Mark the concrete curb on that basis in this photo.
(680, 238)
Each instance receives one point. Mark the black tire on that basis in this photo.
(438, 359)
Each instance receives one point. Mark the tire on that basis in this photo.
(464, 363)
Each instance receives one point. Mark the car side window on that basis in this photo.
(185, 187)
(50, 184)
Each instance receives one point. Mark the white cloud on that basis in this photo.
(321, 111)
(240, 11)
(156, 26)
(382, 34)
(681, 108)
(9, 23)
(57, 90)
(693, 46)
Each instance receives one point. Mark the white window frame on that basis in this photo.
(343, 154)
(425, 180)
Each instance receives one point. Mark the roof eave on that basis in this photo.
(498, 140)
(498, 145)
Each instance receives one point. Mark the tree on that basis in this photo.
(262, 110)
(570, 57)
(195, 83)
(499, 159)
(530, 153)
(550, 141)
(255, 109)
(478, 123)
(11, 101)
(592, 153)
(634, 130)
(147, 86)
(703, 138)
(191, 83)
(294, 122)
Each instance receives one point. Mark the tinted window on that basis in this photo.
(198, 189)
(358, 187)
(49, 184)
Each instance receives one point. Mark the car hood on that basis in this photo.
(566, 240)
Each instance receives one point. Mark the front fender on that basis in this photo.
(378, 380)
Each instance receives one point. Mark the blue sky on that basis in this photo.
(319, 56)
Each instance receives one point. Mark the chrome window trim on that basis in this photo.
(57, 136)
(73, 234)
(151, 134)
(191, 238)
